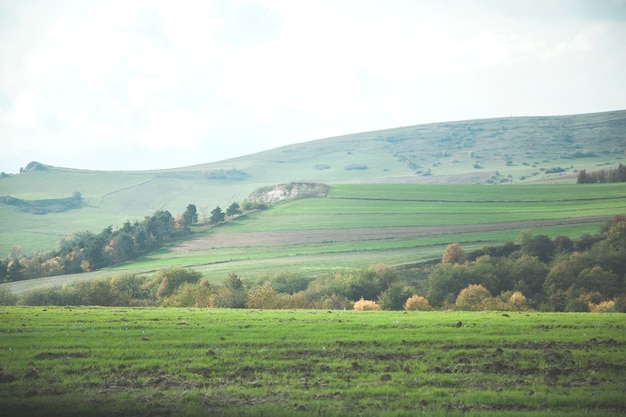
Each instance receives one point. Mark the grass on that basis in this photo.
(429, 205)
(351, 209)
(107, 361)
(507, 149)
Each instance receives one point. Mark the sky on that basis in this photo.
(150, 84)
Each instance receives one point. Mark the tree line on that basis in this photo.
(534, 273)
(603, 175)
(86, 251)
(551, 274)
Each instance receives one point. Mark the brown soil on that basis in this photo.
(219, 239)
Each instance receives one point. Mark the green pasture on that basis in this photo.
(379, 207)
(477, 192)
(389, 205)
(191, 362)
(352, 208)
(509, 150)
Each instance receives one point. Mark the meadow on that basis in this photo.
(358, 225)
(58, 361)
(517, 150)
(395, 224)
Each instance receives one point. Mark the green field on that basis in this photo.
(359, 225)
(405, 223)
(493, 151)
(192, 362)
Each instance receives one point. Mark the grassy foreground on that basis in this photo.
(108, 361)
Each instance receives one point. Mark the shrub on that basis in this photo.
(129, 286)
(57, 296)
(191, 295)
(363, 305)
(7, 298)
(170, 279)
(518, 301)
(470, 297)
(417, 303)
(336, 302)
(229, 298)
(491, 304)
(454, 254)
(394, 297)
(264, 298)
(602, 307)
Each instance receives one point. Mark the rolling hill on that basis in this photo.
(493, 151)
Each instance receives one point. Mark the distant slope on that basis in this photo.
(506, 150)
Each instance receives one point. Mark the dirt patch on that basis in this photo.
(298, 237)
(57, 355)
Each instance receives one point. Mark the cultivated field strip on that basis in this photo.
(297, 237)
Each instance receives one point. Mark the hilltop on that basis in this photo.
(492, 151)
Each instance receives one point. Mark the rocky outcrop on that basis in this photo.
(292, 190)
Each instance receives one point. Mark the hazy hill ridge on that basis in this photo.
(502, 150)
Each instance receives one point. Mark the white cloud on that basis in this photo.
(222, 78)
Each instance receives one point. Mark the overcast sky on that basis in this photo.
(138, 84)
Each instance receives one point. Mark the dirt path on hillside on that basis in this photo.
(219, 239)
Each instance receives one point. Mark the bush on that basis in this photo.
(470, 298)
(54, 296)
(492, 304)
(364, 305)
(191, 295)
(129, 286)
(454, 254)
(417, 303)
(602, 307)
(518, 302)
(171, 278)
(261, 298)
(394, 297)
(229, 298)
(7, 298)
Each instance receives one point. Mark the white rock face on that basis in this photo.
(276, 193)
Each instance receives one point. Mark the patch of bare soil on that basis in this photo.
(296, 237)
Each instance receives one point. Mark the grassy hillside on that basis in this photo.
(510, 150)
(358, 225)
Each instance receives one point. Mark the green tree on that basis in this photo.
(616, 236)
(233, 282)
(264, 298)
(489, 272)
(597, 279)
(217, 215)
(394, 297)
(528, 275)
(170, 279)
(129, 286)
(190, 216)
(540, 246)
(233, 209)
(445, 282)
(286, 283)
(7, 298)
(191, 295)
